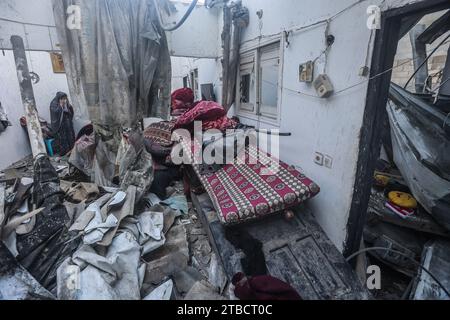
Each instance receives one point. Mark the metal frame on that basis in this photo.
(386, 42)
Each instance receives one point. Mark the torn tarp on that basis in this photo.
(116, 271)
(420, 146)
(121, 72)
(44, 248)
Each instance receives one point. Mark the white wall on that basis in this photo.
(14, 141)
(38, 14)
(330, 126)
(207, 72)
(201, 21)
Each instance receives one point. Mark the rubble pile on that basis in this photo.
(66, 238)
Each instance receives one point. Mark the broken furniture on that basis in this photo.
(436, 258)
(420, 140)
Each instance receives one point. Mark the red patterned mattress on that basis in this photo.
(242, 192)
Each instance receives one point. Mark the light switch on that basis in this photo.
(328, 161)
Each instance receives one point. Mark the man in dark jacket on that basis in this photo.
(61, 113)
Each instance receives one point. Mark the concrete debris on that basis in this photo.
(114, 246)
(216, 274)
(82, 191)
(185, 279)
(177, 202)
(172, 257)
(163, 292)
(203, 291)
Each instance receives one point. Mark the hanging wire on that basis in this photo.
(182, 20)
(342, 90)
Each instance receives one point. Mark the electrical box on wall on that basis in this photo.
(323, 86)
(306, 71)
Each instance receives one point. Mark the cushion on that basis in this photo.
(222, 123)
(182, 98)
(203, 111)
(160, 133)
(248, 190)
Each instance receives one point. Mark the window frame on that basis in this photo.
(256, 114)
(248, 70)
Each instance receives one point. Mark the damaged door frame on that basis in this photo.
(385, 48)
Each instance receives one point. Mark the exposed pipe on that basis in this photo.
(183, 19)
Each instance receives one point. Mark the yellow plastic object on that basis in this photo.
(402, 199)
(381, 180)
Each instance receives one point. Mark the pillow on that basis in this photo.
(203, 111)
(222, 124)
(160, 133)
(182, 98)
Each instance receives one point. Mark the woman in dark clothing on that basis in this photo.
(61, 113)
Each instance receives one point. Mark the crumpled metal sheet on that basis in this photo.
(122, 72)
(421, 153)
(119, 272)
(91, 276)
(163, 292)
(436, 259)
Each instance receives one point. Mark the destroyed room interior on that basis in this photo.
(218, 150)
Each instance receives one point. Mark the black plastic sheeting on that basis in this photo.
(421, 147)
(118, 65)
(43, 249)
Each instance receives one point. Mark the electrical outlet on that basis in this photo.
(328, 161)
(318, 158)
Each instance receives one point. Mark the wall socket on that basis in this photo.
(318, 158)
(323, 160)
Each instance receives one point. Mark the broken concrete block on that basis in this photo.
(185, 279)
(172, 257)
(203, 291)
(163, 292)
(216, 274)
